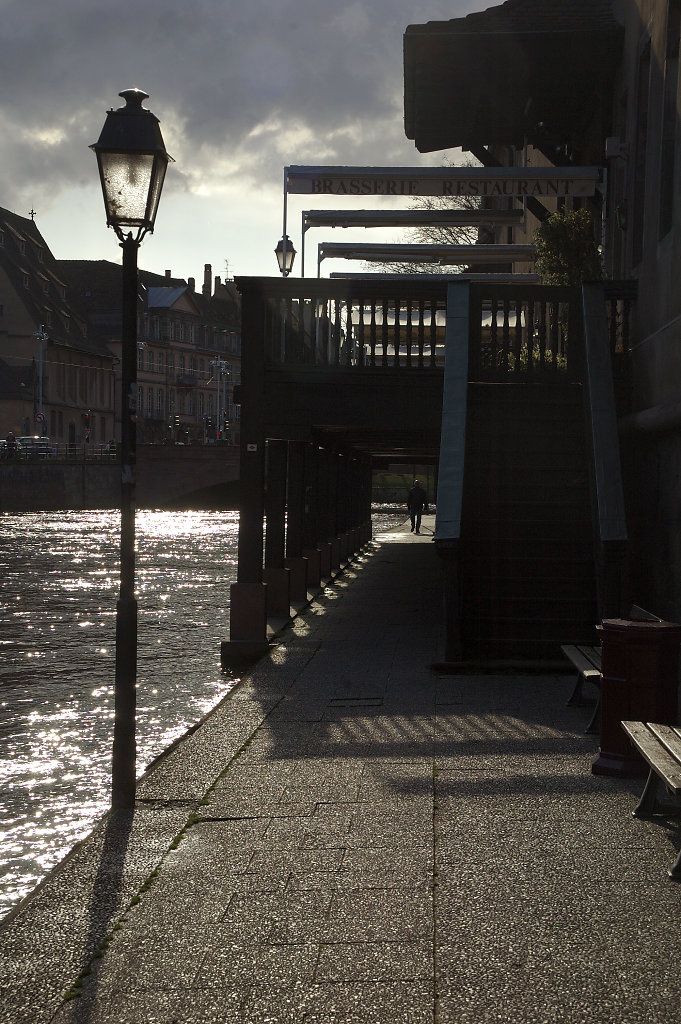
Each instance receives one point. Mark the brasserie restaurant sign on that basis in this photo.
(542, 182)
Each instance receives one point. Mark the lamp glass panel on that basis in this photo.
(126, 178)
(159, 173)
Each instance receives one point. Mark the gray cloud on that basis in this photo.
(242, 87)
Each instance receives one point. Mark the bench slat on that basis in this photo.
(670, 736)
(593, 654)
(655, 752)
(583, 664)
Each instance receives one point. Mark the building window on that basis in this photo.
(140, 358)
(181, 330)
(171, 363)
(140, 400)
(160, 362)
(181, 369)
(201, 403)
(192, 366)
(150, 361)
(669, 118)
(191, 403)
(192, 334)
(211, 410)
(150, 402)
(159, 402)
(202, 369)
(25, 280)
(172, 330)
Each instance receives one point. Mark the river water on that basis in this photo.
(58, 590)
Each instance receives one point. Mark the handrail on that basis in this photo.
(454, 411)
(610, 517)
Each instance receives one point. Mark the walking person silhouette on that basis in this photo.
(417, 503)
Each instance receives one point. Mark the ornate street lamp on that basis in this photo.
(132, 162)
(41, 337)
(285, 254)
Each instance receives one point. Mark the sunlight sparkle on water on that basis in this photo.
(60, 575)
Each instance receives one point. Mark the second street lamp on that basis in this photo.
(285, 254)
(132, 162)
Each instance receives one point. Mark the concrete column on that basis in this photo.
(297, 565)
(295, 500)
(248, 615)
(278, 581)
(275, 575)
(275, 503)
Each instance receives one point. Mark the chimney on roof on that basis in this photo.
(207, 274)
(218, 282)
(168, 274)
(192, 284)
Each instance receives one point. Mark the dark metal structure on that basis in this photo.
(341, 375)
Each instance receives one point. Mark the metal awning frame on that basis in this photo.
(414, 181)
(444, 255)
(405, 219)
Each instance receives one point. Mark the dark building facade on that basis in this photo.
(188, 348)
(587, 83)
(56, 377)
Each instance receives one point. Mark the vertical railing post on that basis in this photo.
(248, 610)
(311, 549)
(452, 456)
(276, 576)
(295, 505)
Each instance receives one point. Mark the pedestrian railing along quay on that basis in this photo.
(394, 323)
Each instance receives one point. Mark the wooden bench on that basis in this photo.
(587, 661)
(660, 746)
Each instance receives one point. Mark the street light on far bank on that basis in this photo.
(132, 161)
(285, 254)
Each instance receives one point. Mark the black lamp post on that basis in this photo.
(132, 162)
(285, 254)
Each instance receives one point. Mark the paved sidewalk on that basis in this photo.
(351, 837)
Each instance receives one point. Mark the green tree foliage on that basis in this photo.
(566, 249)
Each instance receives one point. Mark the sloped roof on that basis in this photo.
(533, 16)
(33, 274)
(510, 73)
(96, 284)
(172, 298)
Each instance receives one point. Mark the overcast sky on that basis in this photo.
(241, 87)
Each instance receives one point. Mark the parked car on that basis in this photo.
(35, 447)
(15, 453)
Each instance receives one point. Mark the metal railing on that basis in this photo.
(517, 331)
